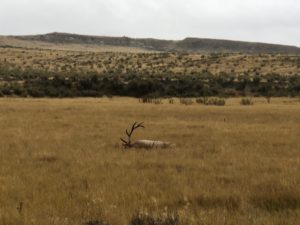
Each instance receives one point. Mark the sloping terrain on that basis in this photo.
(151, 63)
(186, 45)
(62, 65)
(9, 42)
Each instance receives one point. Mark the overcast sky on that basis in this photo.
(274, 21)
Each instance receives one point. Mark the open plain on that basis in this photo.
(61, 162)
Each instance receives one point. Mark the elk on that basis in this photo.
(148, 144)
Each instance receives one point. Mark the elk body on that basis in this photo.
(148, 144)
(151, 144)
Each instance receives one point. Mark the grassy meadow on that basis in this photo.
(62, 163)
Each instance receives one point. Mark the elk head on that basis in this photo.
(128, 143)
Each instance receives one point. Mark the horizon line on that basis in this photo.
(163, 39)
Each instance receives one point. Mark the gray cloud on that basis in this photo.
(275, 21)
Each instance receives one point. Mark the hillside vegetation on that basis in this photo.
(67, 65)
(186, 45)
(15, 42)
(62, 73)
(149, 63)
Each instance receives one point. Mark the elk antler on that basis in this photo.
(127, 144)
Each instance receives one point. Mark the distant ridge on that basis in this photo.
(200, 45)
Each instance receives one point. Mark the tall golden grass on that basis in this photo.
(61, 162)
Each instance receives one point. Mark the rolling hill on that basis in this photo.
(194, 45)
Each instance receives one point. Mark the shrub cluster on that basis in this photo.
(49, 84)
(216, 101)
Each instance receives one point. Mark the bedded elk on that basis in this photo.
(142, 143)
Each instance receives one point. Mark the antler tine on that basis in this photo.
(134, 125)
(125, 142)
(132, 129)
(137, 125)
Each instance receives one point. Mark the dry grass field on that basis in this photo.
(69, 59)
(61, 162)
